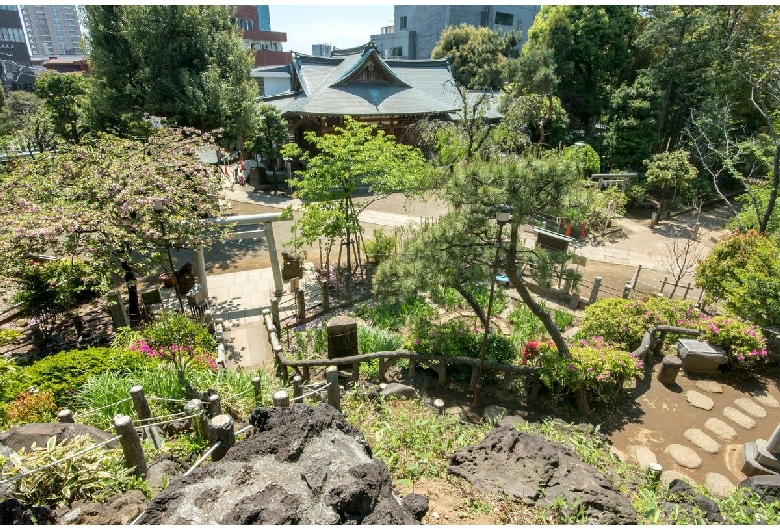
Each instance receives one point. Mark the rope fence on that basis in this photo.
(203, 457)
(92, 411)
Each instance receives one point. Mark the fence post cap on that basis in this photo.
(136, 388)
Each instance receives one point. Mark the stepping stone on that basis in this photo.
(710, 386)
(699, 400)
(766, 400)
(644, 456)
(684, 456)
(668, 476)
(751, 407)
(720, 486)
(721, 429)
(617, 454)
(702, 441)
(746, 422)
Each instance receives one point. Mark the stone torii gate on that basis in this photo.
(266, 230)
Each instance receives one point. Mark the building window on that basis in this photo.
(504, 19)
(402, 23)
(245, 24)
(398, 51)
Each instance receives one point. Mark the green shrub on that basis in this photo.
(528, 326)
(624, 322)
(372, 339)
(394, 314)
(456, 338)
(63, 373)
(380, 248)
(7, 336)
(48, 290)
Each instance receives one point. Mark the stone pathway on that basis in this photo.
(728, 424)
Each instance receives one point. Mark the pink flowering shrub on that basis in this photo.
(598, 367)
(624, 322)
(743, 342)
(179, 340)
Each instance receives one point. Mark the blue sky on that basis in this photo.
(343, 26)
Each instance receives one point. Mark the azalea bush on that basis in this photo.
(31, 407)
(458, 338)
(180, 341)
(624, 322)
(596, 366)
(743, 342)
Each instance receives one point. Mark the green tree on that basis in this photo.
(26, 123)
(97, 202)
(185, 63)
(64, 95)
(477, 56)
(268, 133)
(743, 271)
(461, 251)
(669, 171)
(530, 77)
(631, 127)
(685, 45)
(356, 155)
(592, 54)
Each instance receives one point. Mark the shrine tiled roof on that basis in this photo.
(364, 84)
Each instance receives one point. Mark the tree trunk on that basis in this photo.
(472, 302)
(512, 273)
(582, 401)
(770, 205)
(132, 290)
(545, 119)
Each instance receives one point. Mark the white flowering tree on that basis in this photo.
(96, 201)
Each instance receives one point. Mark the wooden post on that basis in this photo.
(670, 367)
(438, 405)
(275, 312)
(221, 430)
(65, 416)
(687, 288)
(305, 373)
(325, 299)
(281, 399)
(663, 284)
(300, 303)
(654, 470)
(131, 445)
(627, 291)
(595, 290)
(140, 404)
(215, 405)
(636, 276)
(660, 344)
(297, 389)
(199, 423)
(384, 364)
(257, 385)
(334, 393)
(355, 372)
(574, 301)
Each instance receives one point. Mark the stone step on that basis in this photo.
(702, 441)
(710, 386)
(751, 407)
(766, 400)
(765, 457)
(684, 456)
(720, 486)
(721, 429)
(746, 422)
(699, 400)
(669, 475)
(750, 466)
(643, 456)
